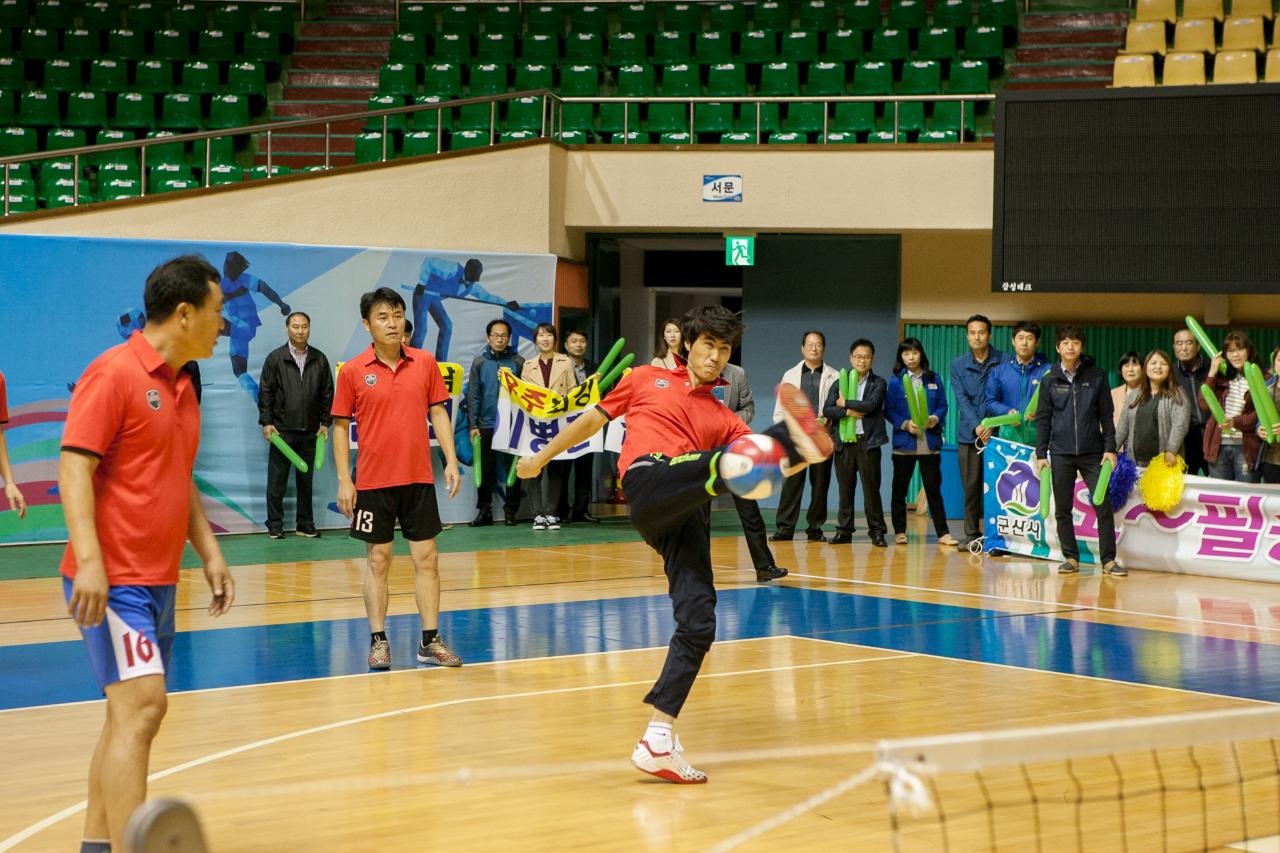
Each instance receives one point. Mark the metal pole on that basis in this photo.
(439, 130)
(691, 124)
(561, 121)
(757, 122)
(825, 106)
(142, 169)
(962, 121)
(626, 118)
(6, 189)
(75, 180)
(384, 138)
(493, 118)
(208, 146)
(895, 122)
(269, 172)
(328, 143)
(542, 119)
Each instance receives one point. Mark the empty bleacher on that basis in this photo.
(1207, 41)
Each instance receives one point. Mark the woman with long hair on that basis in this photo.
(669, 344)
(1130, 370)
(1154, 416)
(554, 371)
(914, 445)
(1232, 448)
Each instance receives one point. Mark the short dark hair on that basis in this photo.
(862, 342)
(1131, 357)
(1068, 331)
(1026, 326)
(408, 329)
(184, 279)
(381, 296)
(488, 329)
(982, 318)
(577, 332)
(821, 337)
(303, 314)
(547, 327)
(714, 321)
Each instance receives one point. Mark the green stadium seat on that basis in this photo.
(631, 137)
(873, 77)
(969, 77)
(170, 45)
(417, 18)
(634, 81)
(62, 138)
(119, 188)
(61, 75)
(534, 77)
(222, 150)
(776, 79)
(590, 18)
(642, 18)
(396, 78)
(523, 114)
(772, 16)
(789, 137)
(998, 13)
(727, 80)
(870, 78)
(432, 120)
(626, 48)
(179, 111)
(937, 43)
(262, 46)
(957, 14)
(584, 49)
(248, 79)
(39, 44)
(727, 18)
(516, 135)
(259, 173)
(443, 79)
(189, 17)
(863, 15)
(799, 46)
(843, 46)
(804, 118)
(545, 18)
(409, 48)
(938, 136)
(758, 47)
(231, 18)
(227, 111)
(17, 140)
(12, 76)
(13, 14)
(676, 137)
(80, 44)
(671, 47)
(216, 46)
(825, 78)
(144, 16)
(468, 139)
(496, 49)
(487, 80)
(840, 137)
(818, 15)
(460, 18)
(108, 75)
(678, 81)
(579, 81)
(737, 138)
(106, 136)
(984, 42)
(369, 147)
(53, 186)
(573, 137)
(540, 49)
(919, 77)
(890, 45)
(713, 47)
(575, 116)
(173, 183)
(503, 19)
(101, 16)
(54, 14)
(881, 137)
(420, 142)
(453, 48)
(22, 203)
(154, 76)
(907, 14)
(134, 111)
(118, 164)
(397, 123)
(277, 19)
(224, 174)
(86, 109)
(199, 78)
(38, 108)
(7, 111)
(165, 154)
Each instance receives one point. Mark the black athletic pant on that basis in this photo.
(793, 490)
(670, 509)
(1064, 468)
(753, 530)
(278, 468)
(971, 478)
(854, 462)
(489, 475)
(904, 465)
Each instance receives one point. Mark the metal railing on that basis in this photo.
(551, 124)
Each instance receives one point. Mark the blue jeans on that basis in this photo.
(1233, 465)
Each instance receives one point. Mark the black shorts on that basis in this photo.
(378, 510)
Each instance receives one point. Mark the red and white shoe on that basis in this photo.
(810, 437)
(670, 766)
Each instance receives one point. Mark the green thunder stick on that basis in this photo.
(288, 452)
(614, 374)
(475, 460)
(1202, 338)
(321, 441)
(852, 395)
(1046, 491)
(1215, 408)
(1011, 419)
(607, 363)
(1104, 480)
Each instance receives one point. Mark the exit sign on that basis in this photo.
(739, 251)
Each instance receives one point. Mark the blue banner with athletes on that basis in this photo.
(64, 300)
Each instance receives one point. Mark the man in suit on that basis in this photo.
(737, 396)
(860, 460)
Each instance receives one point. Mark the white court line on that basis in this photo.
(1271, 844)
(13, 840)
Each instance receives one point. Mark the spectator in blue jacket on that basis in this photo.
(969, 374)
(912, 444)
(482, 413)
(1012, 384)
(860, 460)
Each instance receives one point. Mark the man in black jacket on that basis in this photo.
(860, 460)
(1074, 422)
(1191, 369)
(294, 398)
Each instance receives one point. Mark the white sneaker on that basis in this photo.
(553, 522)
(670, 766)
(540, 522)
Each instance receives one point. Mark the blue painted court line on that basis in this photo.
(51, 673)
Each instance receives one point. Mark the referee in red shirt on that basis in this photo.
(390, 390)
(125, 475)
(669, 468)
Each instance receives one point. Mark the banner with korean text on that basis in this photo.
(530, 416)
(1220, 528)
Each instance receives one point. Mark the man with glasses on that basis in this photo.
(482, 414)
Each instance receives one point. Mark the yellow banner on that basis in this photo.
(544, 404)
(451, 372)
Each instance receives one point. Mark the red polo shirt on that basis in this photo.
(4, 402)
(666, 415)
(142, 420)
(390, 411)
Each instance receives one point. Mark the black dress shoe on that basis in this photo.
(815, 536)
(483, 520)
(275, 534)
(770, 573)
(840, 539)
(878, 541)
(509, 521)
(781, 537)
(584, 518)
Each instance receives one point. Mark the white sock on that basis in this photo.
(658, 736)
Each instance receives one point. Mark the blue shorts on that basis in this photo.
(135, 638)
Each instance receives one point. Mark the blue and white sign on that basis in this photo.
(722, 188)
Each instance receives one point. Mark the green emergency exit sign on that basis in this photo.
(739, 251)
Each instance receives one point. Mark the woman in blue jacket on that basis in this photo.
(911, 444)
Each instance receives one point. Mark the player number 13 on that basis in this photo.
(364, 521)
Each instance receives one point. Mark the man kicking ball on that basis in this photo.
(670, 469)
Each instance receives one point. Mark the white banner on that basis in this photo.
(1220, 528)
(518, 432)
(615, 433)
